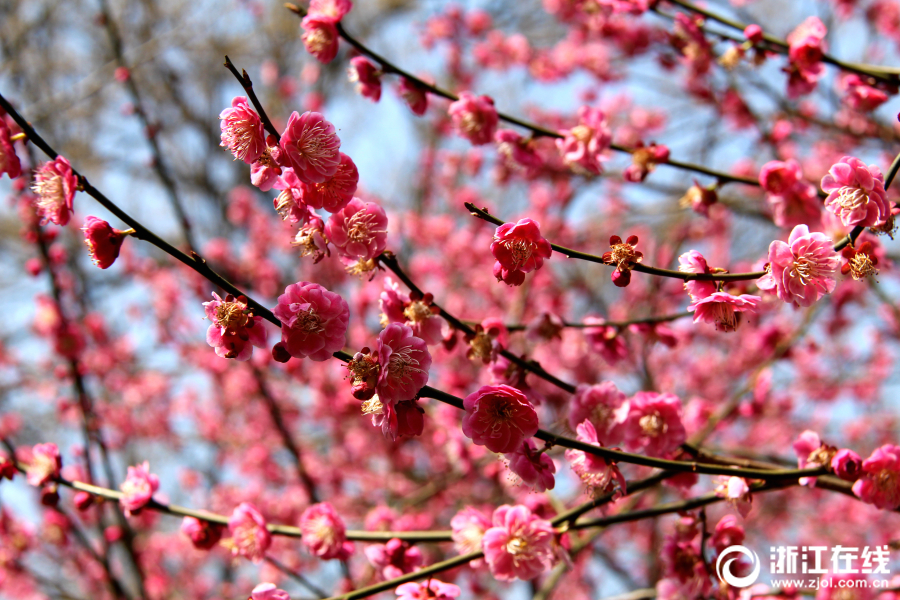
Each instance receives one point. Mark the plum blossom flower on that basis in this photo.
(499, 417)
(801, 271)
(103, 241)
(324, 532)
(55, 185)
(582, 147)
(314, 321)
(651, 422)
(432, 589)
(415, 96)
(311, 147)
(415, 311)
(44, 465)
(624, 256)
(519, 545)
(861, 96)
(329, 10)
(469, 526)
(723, 309)
(249, 536)
(847, 464)
(404, 360)
(290, 204)
(644, 160)
(233, 330)
(138, 488)
(806, 46)
(728, 532)
(9, 162)
(856, 193)
(333, 194)
(533, 467)
(605, 340)
(394, 558)
(268, 591)
(203, 534)
(811, 453)
(597, 403)
(243, 132)
(474, 118)
(599, 474)
(358, 232)
(736, 492)
(794, 201)
(880, 481)
(519, 249)
(311, 240)
(366, 76)
(517, 150)
(861, 261)
(693, 262)
(320, 37)
(265, 170)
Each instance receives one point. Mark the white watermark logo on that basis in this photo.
(724, 570)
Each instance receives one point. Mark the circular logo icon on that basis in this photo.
(724, 570)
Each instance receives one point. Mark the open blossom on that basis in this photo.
(394, 558)
(811, 453)
(519, 545)
(596, 472)
(624, 256)
(329, 10)
(249, 536)
(861, 96)
(794, 201)
(415, 96)
(415, 310)
(517, 150)
(582, 147)
(806, 46)
(103, 241)
(311, 241)
(736, 492)
(651, 422)
(324, 532)
(519, 249)
(366, 76)
(290, 204)
(597, 403)
(802, 270)
(55, 185)
(265, 170)
(432, 589)
(723, 309)
(404, 360)
(862, 261)
(605, 340)
(474, 118)
(203, 534)
(880, 481)
(728, 532)
(333, 194)
(644, 160)
(242, 131)
(268, 591)
(320, 38)
(856, 193)
(9, 162)
(533, 467)
(138, 488)
(44, 465)
(233, 329)
(693, 262)
(468, 527)
(311, 147)
(358, 231)
(314, 321)
(499, 417)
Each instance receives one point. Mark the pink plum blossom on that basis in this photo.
(802, 270)
(583, 147)
(519, 249)
(880, 480)
(103, 241)
(415, 96)
(394, 558)
(358, 231)
(243, 132)
(723, 309)
(203, 534)
(469, 526)
(404, 360)
(517, 150)
(598, 404)
(728, 532)
(320, 37)
(413, 310)
(651, 423)
(693, 262)
(432, 589)
(138, 488)
(605, 340)
(9, 162)
(329, 10)
(265, 171)
(847, 464)
(333, 194)
(233, 330)
(806, 46)
(55, 185)
(311, 147)
(599, 474)
(324, 532)
(44, 465)
(793, 200)
(861, 96)
(736, 492)
(474, 118)
(249, 536)
(268, 591)
(856, 193)
(520, 545)
(499, 417)
(314, 321)
(366, 76)
(533, 467)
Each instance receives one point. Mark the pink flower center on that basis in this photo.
(852, 198)
(318, 40)
(653, 425)
(51, 194)
(806, 268)
(321, 530)
(373, 406)
(360, 228)
(246, 539)
(284, 203)
(135, 487)
(582, 133)
(401, 365)
(314, 144)
(469, 538)
(725, 315)
(417, 311)
(308, 321)
(239, 135)
(472, 122)
(520, 250)
(231, 315)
